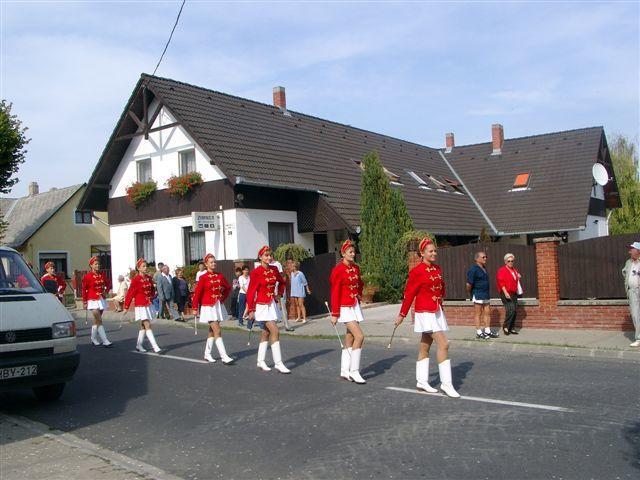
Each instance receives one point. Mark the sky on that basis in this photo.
(412, 70)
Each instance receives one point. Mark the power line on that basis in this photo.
(170, 37)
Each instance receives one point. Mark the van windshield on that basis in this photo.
(16, 276)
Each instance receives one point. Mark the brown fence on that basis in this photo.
(591, 268)
(317, 270)
(456, 261)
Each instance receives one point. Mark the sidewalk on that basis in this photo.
(32, 450)
(379, 320)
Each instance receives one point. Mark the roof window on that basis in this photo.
(441, 187)
(521, 182)
(393, 178)
(421, 183)
(455, 185)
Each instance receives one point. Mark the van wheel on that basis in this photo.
(49, 393)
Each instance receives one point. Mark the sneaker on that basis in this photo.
(492, 335)
(635, 344)
(482, 336)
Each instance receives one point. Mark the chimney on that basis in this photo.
(33, 189)
(279, 98)
(497, 137)
(449, 142)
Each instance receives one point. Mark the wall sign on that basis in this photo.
(205, 221)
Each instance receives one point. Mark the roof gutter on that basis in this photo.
(244, 181)
(473, 199)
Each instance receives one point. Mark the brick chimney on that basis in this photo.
(497, 137)
(33, 189)
(449, 142)
(279, 98)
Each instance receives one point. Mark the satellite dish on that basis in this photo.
(600, 174)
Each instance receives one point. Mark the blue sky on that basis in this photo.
(410, 70)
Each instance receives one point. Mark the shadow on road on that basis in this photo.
(295, 362)
(632, 434)
(459, 373)
(381, 366)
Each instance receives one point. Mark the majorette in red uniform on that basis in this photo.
(211, 291)
(346, 292)
(425, 286)
(262, 305)
(94, 291)
(52, 283)
(141, 292)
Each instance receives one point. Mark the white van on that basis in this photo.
(37, 333)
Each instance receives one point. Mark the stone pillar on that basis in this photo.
(548, 271)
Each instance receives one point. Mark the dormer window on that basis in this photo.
(521, 182)
(187, 159)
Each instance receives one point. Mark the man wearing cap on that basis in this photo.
(631, 274)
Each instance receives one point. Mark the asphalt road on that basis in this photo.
(201, 421)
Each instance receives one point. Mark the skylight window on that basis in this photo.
(521, 182)
(393, 178)
(441, 187)
(457, 188)
(421, 183)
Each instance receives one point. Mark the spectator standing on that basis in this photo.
(180, 292)
(118, 298)
(201, 271)
(165, 291)
(631, 273)
(299, 290)
(235, 291)
(478, 290)
(156, 278)
(508, 280)
(284, 315)
(243, 284)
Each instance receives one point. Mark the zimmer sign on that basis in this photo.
(203, 221)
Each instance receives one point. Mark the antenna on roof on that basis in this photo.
(170, 37)
(600, 174)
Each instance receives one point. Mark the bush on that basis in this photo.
(411, 239)
(291, 251)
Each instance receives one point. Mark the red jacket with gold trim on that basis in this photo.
(141, 291)
(425, 285)
(53, 284)
(346, 286)
(262, 286)
(94, 286)
(211, 288)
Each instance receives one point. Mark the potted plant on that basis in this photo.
(372, 284)
(184, 184)
(139, 192)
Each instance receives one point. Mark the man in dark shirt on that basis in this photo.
(478, 290)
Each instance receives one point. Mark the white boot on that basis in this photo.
(445, 379)
(94, 336)
(354, 368)
(226, 359)
(152, 341)
(345, 361)
(277, 358)
(139, 346)
(262, 354)
(422, 376)
(103, 336)
(207, 350)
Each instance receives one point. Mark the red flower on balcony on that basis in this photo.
(181, 186)
(138, 192)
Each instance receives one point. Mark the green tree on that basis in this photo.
(374, 213)
(12, 150)
(395, 261)
(624, 156)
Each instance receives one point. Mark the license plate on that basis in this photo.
(16, 372)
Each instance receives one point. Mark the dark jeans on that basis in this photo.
(181, 302)
(510, 305)
(242, 304)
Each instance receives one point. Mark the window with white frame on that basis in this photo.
(194, 246)
(187, 161)
(143, 170)
(145, 247)
(83, 217)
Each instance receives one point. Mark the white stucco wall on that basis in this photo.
(163, 148)
(595, 227)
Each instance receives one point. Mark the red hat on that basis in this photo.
(347, 243)
(263, 250)
(423, 244)
(140, 262)
(207, 257)
(49, 264)
(93, 260)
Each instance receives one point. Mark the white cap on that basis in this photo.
(635, 245)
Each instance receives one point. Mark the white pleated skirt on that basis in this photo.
(213, 313)
(267, 312)
(145, 313)
(97, 304)
(430, 322)
(351, 314)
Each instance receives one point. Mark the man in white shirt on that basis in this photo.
(631, 274)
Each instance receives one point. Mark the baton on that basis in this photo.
(394, 332)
